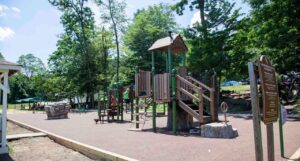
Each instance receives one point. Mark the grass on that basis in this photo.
(11, 106)
(237, 88)
(159, 108)
(296, 110)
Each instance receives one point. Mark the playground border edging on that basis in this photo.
(90, 151)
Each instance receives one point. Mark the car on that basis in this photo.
(231, 83)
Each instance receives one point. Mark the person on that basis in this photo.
(113, 102)
(126, 99)
(34, 107)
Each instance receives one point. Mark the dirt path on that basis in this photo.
(38, 149)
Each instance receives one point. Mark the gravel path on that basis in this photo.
(149, 146)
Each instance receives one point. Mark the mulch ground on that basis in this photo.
(149, 146)
(38, 148)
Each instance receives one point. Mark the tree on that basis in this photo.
(115, 15)
(31, 65)
(28, 83)
(209, 40)
(273, 29)
(1, 56)
(148, 25)
(78, 23)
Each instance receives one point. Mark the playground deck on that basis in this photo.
(149, 146)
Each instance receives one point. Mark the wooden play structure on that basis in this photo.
(110, 105)
(173, 87)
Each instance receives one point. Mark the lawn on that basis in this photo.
(237, 88)
(11, 106)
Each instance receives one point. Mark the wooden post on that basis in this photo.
(131, 95)
(137, 102)
(270, 142)
(255, 112)
(167, 65)
(174, 100)
(153, 90)
(200, 104)
(4, 148)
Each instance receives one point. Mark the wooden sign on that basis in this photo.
(269, 90)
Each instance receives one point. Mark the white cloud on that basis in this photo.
(3, 10)
(6, 33)
(195, 18)
(15, 9)
(95, 9)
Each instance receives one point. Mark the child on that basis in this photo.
(126, 99)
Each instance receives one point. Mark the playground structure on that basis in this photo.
(175, 88)
(110, 104)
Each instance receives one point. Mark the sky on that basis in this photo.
(33, 26)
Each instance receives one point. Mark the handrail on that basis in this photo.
(201, 84)
(189, 94)
(199, 90)
(189, 110)
(189, 83)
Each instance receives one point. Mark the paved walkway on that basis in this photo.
(149, 146)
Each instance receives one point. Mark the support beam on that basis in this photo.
(4, 148)
(174, 101)
(153, 90)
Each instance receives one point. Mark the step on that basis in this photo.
(141, 106)
(26, 135)
(135, 129)
(138, 114)
(138, 122)
(207, 119)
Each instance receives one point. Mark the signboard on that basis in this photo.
(269, 90)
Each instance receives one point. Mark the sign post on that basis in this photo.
(255, 112)
(270, 101)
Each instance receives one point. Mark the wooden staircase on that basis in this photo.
(140, 117)
(191, 95)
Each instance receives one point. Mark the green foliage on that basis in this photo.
(148, 25)
(1, 56)
(76, 58)
(273, 30)
(209, 40)
(114, 13)
(31, 65)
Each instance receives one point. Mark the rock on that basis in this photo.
(58, 111)
(218, 130)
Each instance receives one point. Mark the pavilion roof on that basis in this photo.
(12, 67)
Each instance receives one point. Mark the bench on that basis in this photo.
(101, 118)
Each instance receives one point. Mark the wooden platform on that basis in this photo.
(26, 135)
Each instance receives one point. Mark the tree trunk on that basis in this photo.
(92, 101)
(184, 121)
(201, 4)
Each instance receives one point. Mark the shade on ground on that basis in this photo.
(149, 146)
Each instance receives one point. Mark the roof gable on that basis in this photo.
(177, 44)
